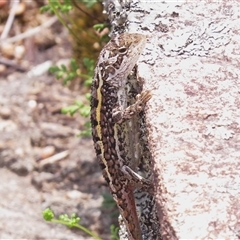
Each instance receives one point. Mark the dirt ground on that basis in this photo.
(32, 129)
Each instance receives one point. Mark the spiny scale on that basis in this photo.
(115, 63)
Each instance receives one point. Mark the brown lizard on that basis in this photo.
(108, 112)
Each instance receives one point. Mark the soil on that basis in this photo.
(32, 130)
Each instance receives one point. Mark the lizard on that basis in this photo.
(138, 157)
(108, 114)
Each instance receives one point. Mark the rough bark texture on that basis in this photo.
(191, 63)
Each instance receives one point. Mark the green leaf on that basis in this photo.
(85, 111)
(54, 69)
(99, 26)
(72, 75)
(70, 109)
(85, 133)
(88, 82)
(48, 214)
(88, 3)
(114, 232)
(74, 64)
(64, 68)
(88, 63)
(45, 8)
(63, 217)
(59, 75)
(66, 9)
(88, 96)
(79, 103)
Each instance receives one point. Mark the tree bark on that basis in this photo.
(191, 64)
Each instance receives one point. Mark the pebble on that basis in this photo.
(21, 7)
(5, 112)
(32, 104)
(2, 68)
(74, 194)
(19, 52)
(40, 69)
(8, 49)
(46, 152)
(39, 178)
(20, 168)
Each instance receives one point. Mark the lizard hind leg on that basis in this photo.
(137, 181)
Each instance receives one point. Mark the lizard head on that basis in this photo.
(119, 56)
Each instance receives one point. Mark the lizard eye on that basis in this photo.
(122, 50)
(110, 70)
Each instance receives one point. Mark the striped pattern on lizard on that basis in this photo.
(109, 111)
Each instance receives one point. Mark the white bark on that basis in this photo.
(191, 63)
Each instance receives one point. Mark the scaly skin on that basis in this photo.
(108, 112)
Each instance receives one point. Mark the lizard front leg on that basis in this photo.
(120, 116)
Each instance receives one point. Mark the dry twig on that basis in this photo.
(30, 32)
(10, 19)
(54, 158)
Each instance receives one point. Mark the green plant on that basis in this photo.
(89, 3)
(56, 5)
(84, 111)
(74, 221)
(109, 203)
(64, 219)
(64, 6)
(64, 73)
(68, 74)
(61, 9)
(114, 232)
(89, 64)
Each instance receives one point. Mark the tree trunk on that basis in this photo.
(191, 64)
